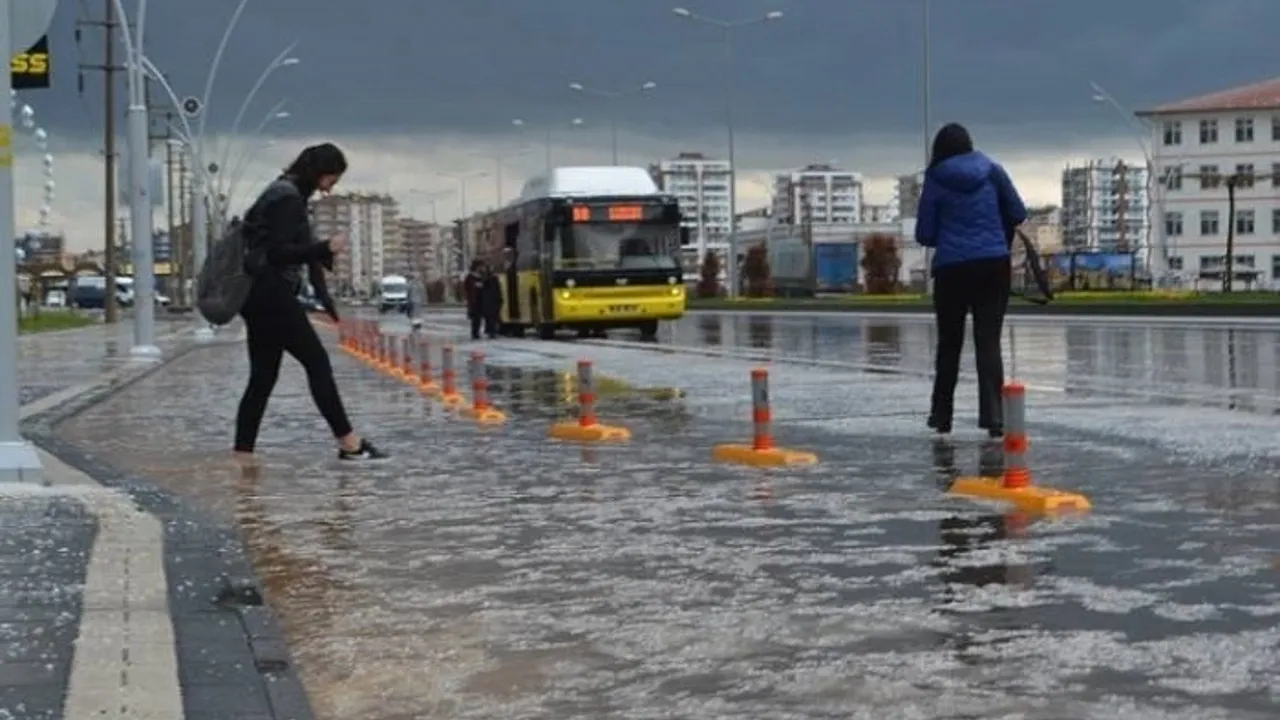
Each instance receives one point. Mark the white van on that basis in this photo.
(393, 293)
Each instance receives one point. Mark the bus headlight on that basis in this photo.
(676, 291)
(564, 294)
(671, 280)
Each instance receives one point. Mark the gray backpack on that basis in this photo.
(225, 280)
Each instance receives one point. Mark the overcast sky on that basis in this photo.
(416, 87)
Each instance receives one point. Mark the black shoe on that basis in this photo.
(995, 432)
(937, 426)
(366, 451)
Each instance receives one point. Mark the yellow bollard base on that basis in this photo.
(487, 416)
(1031, 499)
(452, 400)
(596, 433)
(429, 388)
(773, 457)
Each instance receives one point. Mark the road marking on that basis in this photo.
(125, 663)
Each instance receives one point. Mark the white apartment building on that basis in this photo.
(1105, 207)
(879, 213)
(1196, 145)
(701, 186)
(424, 249)
(818, 194)
(374, 249)
(906, 194)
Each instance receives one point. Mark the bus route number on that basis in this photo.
(30, 69)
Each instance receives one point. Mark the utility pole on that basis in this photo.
(184, 226)
(108, 68)
(165, 134)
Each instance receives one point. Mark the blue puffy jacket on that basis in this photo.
(968, 206)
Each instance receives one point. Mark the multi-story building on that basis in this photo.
(1044, 227)
(701, 186)
(423, 244)
(878, 213)
(1104, 207)
(1198, 145)
(374, 246)
(819, 194)
(907, 194)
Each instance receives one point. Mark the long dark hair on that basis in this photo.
(952, 140)
(313, 163)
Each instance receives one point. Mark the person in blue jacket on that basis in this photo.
(968, 212)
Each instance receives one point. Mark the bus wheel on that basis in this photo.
(649, 329)
(546, 331)
(584, 333)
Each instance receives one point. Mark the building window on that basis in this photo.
(1275, 267)
(1172, 132)
(1208, 132)
(1275, 128)
(1173, 177)
(1244, 130)
(1172, 224)
(1208, 222)
(1275, 221)
(1244, 222)
(1275, 174)
(1244, 175)
(1175, 262)
(1209, 177)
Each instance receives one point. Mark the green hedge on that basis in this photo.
(50, 320)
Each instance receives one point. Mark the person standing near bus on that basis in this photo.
(967, 207)
(473, 289)
(490, 302)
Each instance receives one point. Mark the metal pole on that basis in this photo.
(18, 459)
(733, 166)
(199, 234)
(140, 208)
(548, 149)
(110, 303)
(613, 131)
(926, 83)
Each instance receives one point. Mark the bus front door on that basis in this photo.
(511, 234)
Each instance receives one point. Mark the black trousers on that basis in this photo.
(279, 325)
(476, 318)
(491, 324)
(980, 288)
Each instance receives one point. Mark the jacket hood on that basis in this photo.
(963, 173)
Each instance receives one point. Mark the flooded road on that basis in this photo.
(488, 573)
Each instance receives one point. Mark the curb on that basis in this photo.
(207, 566)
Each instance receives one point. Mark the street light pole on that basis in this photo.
(1156, 237)
(727, 27)
(137, 121)
(464, 251)
(498, 162)
(613, 97)
(284, 59)
(575, 122)
(253, 144)
(926, 77)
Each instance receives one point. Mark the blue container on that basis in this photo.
(836, 267)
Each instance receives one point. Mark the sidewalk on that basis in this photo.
(118, 601)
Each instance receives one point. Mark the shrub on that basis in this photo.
(880, 265)
(756, 272)
(709, 276)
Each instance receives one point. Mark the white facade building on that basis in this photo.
(701, 186)
(374, 249)
(906, 194)
(819, 194)
(1196, 145)
(1105, 207)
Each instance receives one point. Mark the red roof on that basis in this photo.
(1263, 95)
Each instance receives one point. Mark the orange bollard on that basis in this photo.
(449, 394)
(1016, 472)
(425, 383)
(480, 410)
(587, 428)
(761, 452)
(1014, 484)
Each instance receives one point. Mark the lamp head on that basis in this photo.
(649, 85)
(289, 61)
(576, 86)
(682, 12)
(775, 15)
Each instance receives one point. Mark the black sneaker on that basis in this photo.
(938, 426)
(366, 451)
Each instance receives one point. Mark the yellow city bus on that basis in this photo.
(588, 249)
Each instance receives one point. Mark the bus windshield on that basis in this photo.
(618, 246)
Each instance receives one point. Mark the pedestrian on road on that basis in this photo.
(473, 288)
(490, 302)
(968, 211)
(280, 244)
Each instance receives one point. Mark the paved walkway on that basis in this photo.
(117, 601)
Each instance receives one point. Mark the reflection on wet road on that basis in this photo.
(489, 573)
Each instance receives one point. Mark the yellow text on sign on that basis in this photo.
(30, 63)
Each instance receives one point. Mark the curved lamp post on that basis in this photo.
(613, 96)
(726, 28)
(234, 172)
(284, 59)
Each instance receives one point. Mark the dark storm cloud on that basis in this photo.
(830, 67)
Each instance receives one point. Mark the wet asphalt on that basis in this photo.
(491, 573)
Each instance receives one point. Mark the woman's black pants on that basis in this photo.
(980, 288)
(276, 328)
